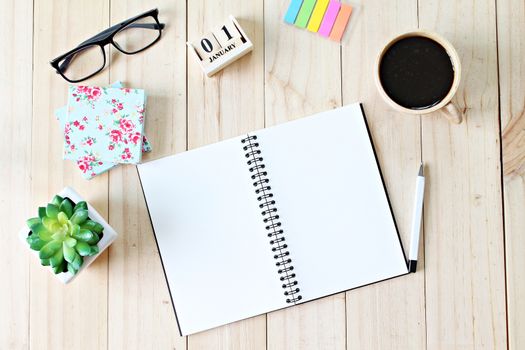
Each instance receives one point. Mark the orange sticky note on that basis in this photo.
(340, 22)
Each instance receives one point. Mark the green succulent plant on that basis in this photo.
(63, 234)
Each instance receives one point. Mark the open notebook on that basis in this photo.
(271, 219)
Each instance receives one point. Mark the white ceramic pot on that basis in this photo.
(108, 237)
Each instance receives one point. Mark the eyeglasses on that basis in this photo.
(129, 37)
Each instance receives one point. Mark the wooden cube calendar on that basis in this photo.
(221, 46)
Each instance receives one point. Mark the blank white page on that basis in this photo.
(211, 238)
(331, 202)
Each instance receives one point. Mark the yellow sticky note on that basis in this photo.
(317, 15)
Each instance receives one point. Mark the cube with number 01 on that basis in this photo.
(220, 47)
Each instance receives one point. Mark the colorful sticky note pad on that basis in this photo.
(304, 13)
(293, 10)
(329, 18)
(317, 15)
(340, 23)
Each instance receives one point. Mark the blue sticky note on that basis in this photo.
(293, 10)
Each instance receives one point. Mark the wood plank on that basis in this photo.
(72, 316)
(318, 324)
(465, 277)
(303, 76)
(511, 31)
(15, 169)
(140, 314)
(226, 105)
(390, 314)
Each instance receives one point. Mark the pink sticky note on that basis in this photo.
(329, 18)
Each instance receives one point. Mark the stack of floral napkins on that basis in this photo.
(103, 127)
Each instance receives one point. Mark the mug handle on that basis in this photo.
(452, 113)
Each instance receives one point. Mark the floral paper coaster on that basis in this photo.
(104, 124)
(88, 165)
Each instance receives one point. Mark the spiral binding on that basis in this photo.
(271, 218)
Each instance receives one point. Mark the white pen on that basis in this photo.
(417, 215)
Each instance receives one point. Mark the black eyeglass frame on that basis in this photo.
(106, 37)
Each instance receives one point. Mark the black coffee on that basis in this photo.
(416, 72)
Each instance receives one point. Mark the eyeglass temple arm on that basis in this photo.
(65, 64)
(132, 25)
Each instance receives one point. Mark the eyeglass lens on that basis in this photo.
(138, 35)
(83, 63)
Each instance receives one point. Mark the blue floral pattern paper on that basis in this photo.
(104, 125)
(61, 115)
(88, 166)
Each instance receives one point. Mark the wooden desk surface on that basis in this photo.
(468, 292)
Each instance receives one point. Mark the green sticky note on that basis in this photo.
(304, 13)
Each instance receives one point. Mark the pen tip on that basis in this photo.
(421, 172)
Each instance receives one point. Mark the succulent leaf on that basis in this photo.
(57, 200)
(94, 240)
(52, 211)
(44, 235)
(98, 228)
(31, 223)
(69, 253)
(50, 224)
(60, 268)
(41, 212)
(44, 262)
(57, 258)
(93, 226)
(94, 250)
(30, 238)
(89, 225)
(79, 216)
(81, 205)
(35, 243)
(83, 248)
(71, 269)
(49, 249)
(62, 218)
(38, 228)
(74, 229)
(77, 262)
(67, 207)
(70, 241)
(84, 235)
(59, 236)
